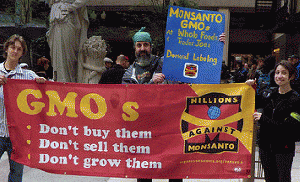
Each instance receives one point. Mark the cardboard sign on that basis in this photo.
(193, 52)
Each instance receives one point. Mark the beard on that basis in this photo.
(143, 60)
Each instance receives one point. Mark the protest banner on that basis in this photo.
(132, 131)
(193, 52)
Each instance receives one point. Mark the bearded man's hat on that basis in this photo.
(142, 36)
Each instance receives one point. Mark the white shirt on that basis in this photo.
(17, 73)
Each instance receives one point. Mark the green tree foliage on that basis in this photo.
(31, 9)
(186, 4)
(126, 23)
(40, 11)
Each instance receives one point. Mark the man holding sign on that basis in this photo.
(147, 69)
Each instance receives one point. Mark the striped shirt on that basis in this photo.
(17, 73)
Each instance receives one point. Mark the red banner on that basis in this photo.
(133, 131)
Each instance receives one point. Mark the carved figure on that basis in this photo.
(67, 33)
(92, 65)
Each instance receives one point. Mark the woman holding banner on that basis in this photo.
(279, 125)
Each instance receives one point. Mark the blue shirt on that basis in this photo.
(17, 73)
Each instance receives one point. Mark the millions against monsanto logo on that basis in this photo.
(209, 123)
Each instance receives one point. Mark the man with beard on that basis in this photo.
(147, 68)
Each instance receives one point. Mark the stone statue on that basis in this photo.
(92, 66)
(67, 33)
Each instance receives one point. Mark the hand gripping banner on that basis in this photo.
(132, 131)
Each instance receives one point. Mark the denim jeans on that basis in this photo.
(16, 169)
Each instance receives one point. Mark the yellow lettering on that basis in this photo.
(227, 100)
(214, 146)
(219, 18)
(181, 14)
(194, 17)
(193, 100)
(198, 17)
(221, 100)
(191, 148)
(220, 145)
(193, 25)
(85, 106)
(132, 114)
(235, 100)
(206, 17)
(172, 12)
(69, 102)
(184, 24)
(23, 105)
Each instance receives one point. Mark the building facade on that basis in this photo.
(254, 27)
(286, 35)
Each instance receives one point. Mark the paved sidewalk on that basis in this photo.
(36, 175)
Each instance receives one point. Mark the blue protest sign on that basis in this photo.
(193, 52)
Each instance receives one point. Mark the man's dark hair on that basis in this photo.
(11, 41)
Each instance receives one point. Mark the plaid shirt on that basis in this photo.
(17, 73)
